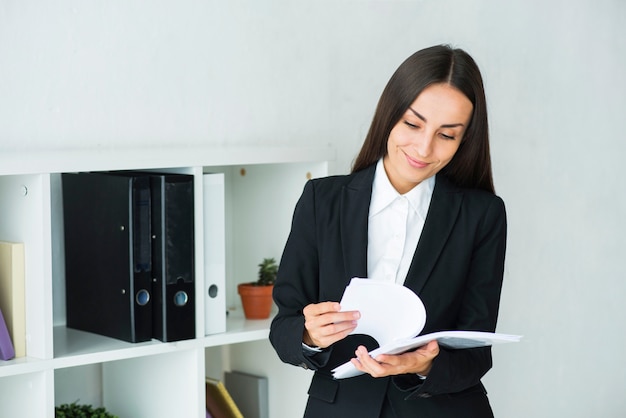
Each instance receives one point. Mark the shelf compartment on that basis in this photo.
(159, 385)
(25, 207)
(76, 348)
(25, 395)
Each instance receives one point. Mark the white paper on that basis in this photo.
(392, 314)
(389, 311)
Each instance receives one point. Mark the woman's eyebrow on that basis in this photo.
(448, 125)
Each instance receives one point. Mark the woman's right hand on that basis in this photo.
(325, 325)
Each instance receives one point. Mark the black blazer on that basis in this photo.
(457, 271)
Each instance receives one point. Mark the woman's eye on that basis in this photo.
(444, 136)
(409, 124)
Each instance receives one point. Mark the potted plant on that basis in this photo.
(256, 297)
(74, 410)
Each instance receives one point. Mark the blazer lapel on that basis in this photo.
(442, 213)
(355, 205)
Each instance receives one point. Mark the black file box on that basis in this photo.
(124, 234)
(108, 277)
(173, 251)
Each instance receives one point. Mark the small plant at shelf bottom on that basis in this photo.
(75, 410)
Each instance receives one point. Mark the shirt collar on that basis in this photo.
(383, 193)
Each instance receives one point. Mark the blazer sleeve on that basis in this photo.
(457, 370)
(297, 286)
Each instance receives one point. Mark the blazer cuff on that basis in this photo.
(408, 382)
(317, 357)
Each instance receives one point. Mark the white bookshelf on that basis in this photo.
(153, 378)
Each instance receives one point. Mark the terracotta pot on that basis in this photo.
(256, 300)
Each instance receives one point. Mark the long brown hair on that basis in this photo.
(471, 165)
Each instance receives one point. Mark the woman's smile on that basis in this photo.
(415, 162)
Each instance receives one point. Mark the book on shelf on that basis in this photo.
(219, 402)
(250, 393)
(7, 352)
(214, 253)
(12, 293)
(394, 316)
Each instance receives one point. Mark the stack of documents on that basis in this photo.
(393, 315)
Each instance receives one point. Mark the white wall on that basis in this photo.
(110, 73)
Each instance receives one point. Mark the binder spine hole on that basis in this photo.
(213, 291)
(142, 297)
(181, 298)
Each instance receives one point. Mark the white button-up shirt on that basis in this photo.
(395, 224)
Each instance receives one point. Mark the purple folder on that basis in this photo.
(7, 352)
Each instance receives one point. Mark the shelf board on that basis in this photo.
(23, 365)
(239, 330)
(76, 348)
(101, 159)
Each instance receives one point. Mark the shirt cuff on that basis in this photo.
(311, 349)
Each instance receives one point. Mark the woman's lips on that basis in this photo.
(416, 163)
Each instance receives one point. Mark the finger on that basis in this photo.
(433, 346)
(329, 328)
(331, 318)
(338, 317)
(429, 350)
(391, 360)
(315, 309)
(338, 327)
(365, 363)
(331, 332)
(325, 325)
(328, 340)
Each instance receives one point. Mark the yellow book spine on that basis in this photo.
(12, 293)
(219, 402)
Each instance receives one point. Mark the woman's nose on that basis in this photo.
(423, 144)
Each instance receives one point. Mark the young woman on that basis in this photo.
(418, 209)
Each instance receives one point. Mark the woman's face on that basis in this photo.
(427, 136)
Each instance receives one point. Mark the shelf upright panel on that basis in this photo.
(25, 209)
(47, 394)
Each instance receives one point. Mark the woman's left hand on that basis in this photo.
(419, 361)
